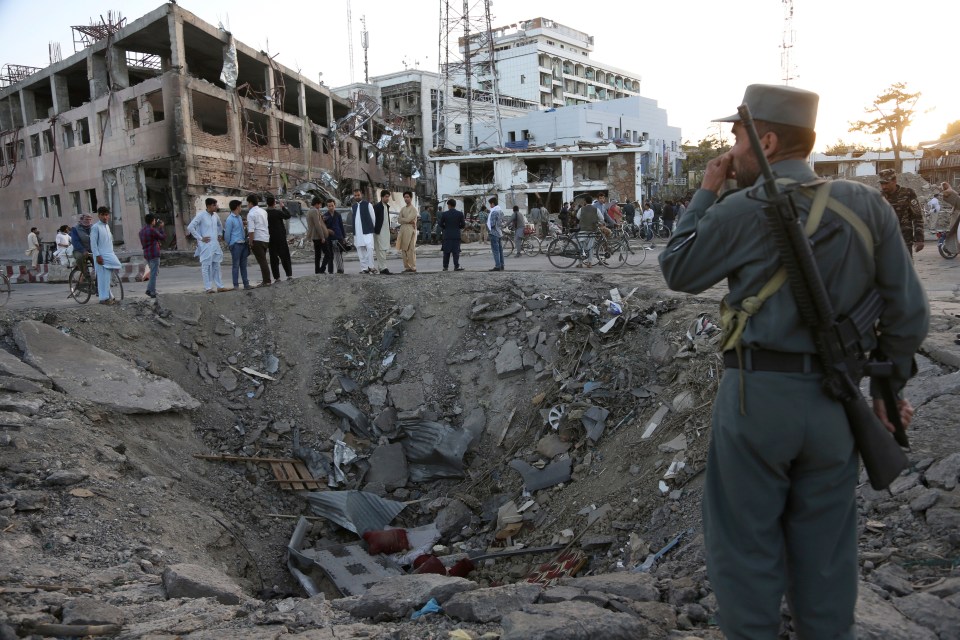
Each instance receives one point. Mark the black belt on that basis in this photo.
(777, 361)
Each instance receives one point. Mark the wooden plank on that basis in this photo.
(226, 458)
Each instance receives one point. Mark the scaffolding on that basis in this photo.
(87, 35)
(467, 64)
(14, 73)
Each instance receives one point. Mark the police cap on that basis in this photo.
(779, 104)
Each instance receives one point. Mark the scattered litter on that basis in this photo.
(663, 486)
(676, 466)
(556, 415)
(595, 421)
(342, 456)
(653, 557)
(677, 444)
(655, 422)
(359, 423)
(421, 540)
(432, 606)
(434, 450)
(509, 521)
(566, 565)
(254, 372)
(388, 360)
(386, 541)
(554, 473)
(356, 511)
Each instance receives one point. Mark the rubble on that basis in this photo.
(194, 581)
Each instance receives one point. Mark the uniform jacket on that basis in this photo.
(728, 239)
(909, 213)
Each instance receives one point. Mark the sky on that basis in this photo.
(694, 57)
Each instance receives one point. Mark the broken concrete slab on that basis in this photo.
(573, 620)
(351, 568)
(877, 619)
(452, 518)
(104, 378)
(535, 479)
(931, 612)
(407, 396)
(399, 596)
(359, 423)
(509, 361)
(90, 611)
(376, 395)
(491, 604)
(14, 367)
(655, 422)
(475, 423)
(594, 420)
(944, 473)
(195, 581)
(408, 312)
(65, 477)
(19, 404)
(484, 315)
(388, 466)
(676, 445)
(186, 309)
(627, 584)
(386, 421)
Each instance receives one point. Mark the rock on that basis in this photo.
(635, 586)
(19, 404)
(407, 396)
(194, 581)
(20, 385)
(924, 500)
(945, 589)
(408, 312)
(559, 594)
(13, 367)
(484, 315)
(452, 518)
(662, 350)
(893, 578)
(943, 520)
(376, 395)
(931, 612)
(386, 421)
(574, 620)
(509, 361)
(186, 309)
(877, 619)
(684, 401)
(398, 596)
(661, 614)
(228, 380)
(535, 479)
(674, 446)
(104, 379)
(596, 543)
(65, 477)
(474, 424)
(491, 604)
(388, 466)
(30, 500)
(904, 483)
(550, 446)
(90, 611)
(944, 473)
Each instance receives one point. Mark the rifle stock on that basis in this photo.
(882, 456)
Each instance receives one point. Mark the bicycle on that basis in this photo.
(4, 289)
(527, 246)
(83, 282)
(566, 250)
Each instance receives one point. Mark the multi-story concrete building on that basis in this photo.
(545, 62)
(164, 112)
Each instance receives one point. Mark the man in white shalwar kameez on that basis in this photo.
(105, 261)
(207, 228)
(363, 216)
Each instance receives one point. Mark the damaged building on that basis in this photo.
(622, 147)
(156, 114)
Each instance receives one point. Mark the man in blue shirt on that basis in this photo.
(236, 240)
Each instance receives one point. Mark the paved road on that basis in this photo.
(941, 277)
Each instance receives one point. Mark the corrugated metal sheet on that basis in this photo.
(356, 511)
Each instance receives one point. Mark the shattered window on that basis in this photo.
(35, 145)
(27, 207)
(131, 113)
(83, 131)
(67, 136)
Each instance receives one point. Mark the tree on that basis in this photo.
(893, 110)
(952, 129)
(840, 148)
(700, 154)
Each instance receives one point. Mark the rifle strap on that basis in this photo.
(733, 322)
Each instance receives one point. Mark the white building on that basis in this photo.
(862, 163)
(548, 63)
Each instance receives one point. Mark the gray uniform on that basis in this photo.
(779, 503)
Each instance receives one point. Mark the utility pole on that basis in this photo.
(364, 42)
(467, 55)
(493, 74)
(789, 36)
(350, 38)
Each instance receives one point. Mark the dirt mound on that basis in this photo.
(527, 412)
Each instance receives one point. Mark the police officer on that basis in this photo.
(907, 207)
(779, 500)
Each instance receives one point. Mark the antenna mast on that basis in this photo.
(350, 38)
(364, 42)
(789, 35)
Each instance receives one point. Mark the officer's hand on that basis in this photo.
(918, 246)
(906, 413)
(717, 172)
(99, 259)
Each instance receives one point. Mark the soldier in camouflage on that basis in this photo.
(905, 204)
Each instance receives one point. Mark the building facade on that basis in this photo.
(165, 112)
(547, 63)
(862, 163)
(941, 161)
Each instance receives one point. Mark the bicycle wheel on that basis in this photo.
(634, 254)
(663, 231)
(4, 289)
(116, 286)
(563, 253)
(81, 286)
(531, 246)
(508, 246)
(616, 253)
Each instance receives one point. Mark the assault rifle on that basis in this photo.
(842, 362)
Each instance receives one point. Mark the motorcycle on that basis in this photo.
(944, 252)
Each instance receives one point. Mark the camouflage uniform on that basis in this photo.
(907, 207)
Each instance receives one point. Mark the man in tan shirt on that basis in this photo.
(407, 237)
(317, 232)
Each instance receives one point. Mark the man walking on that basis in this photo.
(381, 231)
(104, 258)
(334, 223)
(363, 231)
(482, 220)
(407, 235)
(277, 230)
(779, 503)
(907, 207)
(495, 227)
(452, 222)
(519, 228)
(317, 234)
(207, 229)
(540, 217)
(236, 240)
(151, 235)
(258, 234)
(33, 247)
